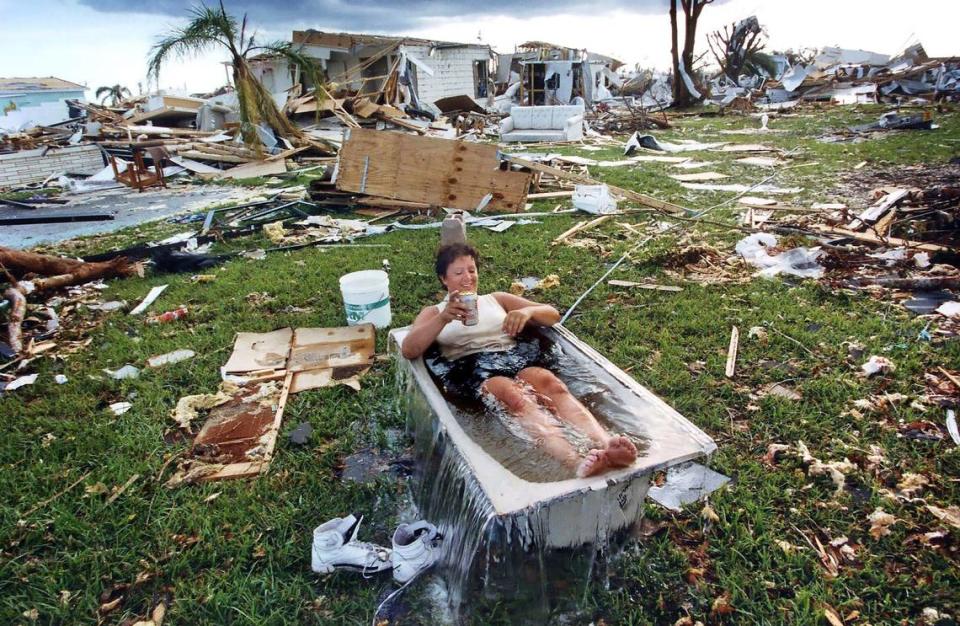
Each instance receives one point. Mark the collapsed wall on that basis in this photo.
(30, 166)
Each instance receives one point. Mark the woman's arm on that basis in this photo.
(428, 325)
(520, 311)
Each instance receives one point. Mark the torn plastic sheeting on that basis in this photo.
(23, 381)
(650, 142)
(685, 484)
(687, 81)
(800, 261)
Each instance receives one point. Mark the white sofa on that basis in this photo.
(546, 123)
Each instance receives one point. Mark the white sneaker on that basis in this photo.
(335, 546)
(415, 548)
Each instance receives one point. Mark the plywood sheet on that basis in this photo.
(440, 172)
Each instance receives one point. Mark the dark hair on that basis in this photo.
(450, 253)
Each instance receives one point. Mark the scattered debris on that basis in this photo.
(685, 484)
(119, 408)
(949, 515)
(22, 381)
(880, 523)
(124, 373)
(878, 365)
(170, 357)
(301, 434)
(148, 300)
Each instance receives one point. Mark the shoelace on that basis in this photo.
(380, 554)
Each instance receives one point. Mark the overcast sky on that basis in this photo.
(104, 42)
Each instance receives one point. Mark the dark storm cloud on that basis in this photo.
(377, 15)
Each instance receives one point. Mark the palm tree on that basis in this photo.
(212, 29)
(115, 93)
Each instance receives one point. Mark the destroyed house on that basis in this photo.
(36, 101)
(427, 70)
(550, 74)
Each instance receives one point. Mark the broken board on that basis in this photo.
(322, 357)
(254, 352)
(238, 438)
(440, 172)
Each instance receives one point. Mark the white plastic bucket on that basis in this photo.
(366, 297)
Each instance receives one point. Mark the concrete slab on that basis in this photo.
(128, 207)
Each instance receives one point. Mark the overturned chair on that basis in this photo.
(135, 173)
(543, 123)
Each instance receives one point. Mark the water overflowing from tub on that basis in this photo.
(532, 534)
(487, 557)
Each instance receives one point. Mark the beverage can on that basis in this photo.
(470, 301)
(169, 316)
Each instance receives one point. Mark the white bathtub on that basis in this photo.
(564, 513)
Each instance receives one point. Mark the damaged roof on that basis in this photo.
(44, 83)
(347, 41)
(530, 46)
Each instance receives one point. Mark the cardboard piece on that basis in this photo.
(254, 352)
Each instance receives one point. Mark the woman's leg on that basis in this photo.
(620, 450)
(534, 419)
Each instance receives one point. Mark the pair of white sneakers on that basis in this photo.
(416, 547)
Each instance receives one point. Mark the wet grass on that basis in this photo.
(243, 557)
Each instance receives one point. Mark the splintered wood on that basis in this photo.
(240, 433)
(731, 367)
(439, 172)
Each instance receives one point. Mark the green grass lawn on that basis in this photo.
(242, 557)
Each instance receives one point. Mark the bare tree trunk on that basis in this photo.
(20, 264)
(684, 91)
(677, 82)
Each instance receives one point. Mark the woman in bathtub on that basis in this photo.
(487, 359)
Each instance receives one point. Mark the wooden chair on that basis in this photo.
(138, 175)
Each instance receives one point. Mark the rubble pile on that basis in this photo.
(842, 76)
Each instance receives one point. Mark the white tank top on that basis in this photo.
(457, 340)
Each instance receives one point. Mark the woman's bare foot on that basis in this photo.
(621, 451)
(596, 462)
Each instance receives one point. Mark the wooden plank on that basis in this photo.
(440, 172)
(549, 194)
(254, 169)
(869, 237)
(732, 352)
(629, 283)
(579, 228)
(210, 156)
(585, 180)
(883, 224)
(568, 233)
(873, 213)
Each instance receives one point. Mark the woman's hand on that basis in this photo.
(455, 309)
(516, 320)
